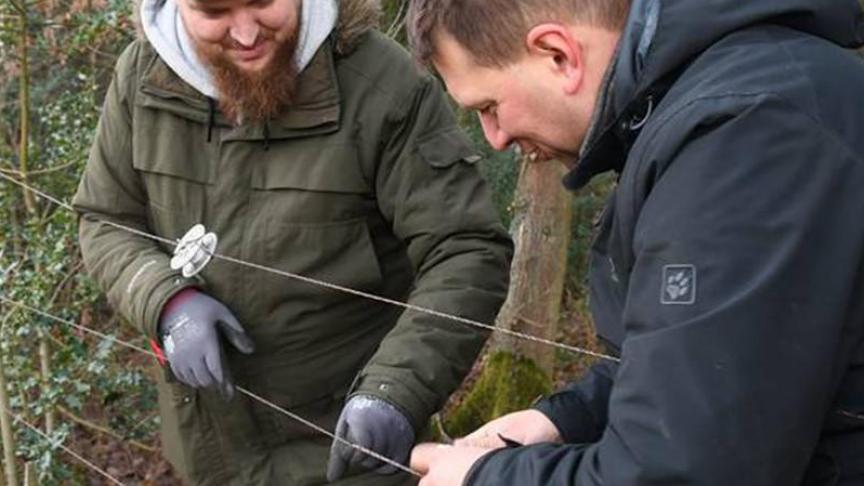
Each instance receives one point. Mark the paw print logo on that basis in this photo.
(679, 284)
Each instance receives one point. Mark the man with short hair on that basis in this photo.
(310, 144)
(727, 271)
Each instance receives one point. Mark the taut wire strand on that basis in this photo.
(340, 288)
(242, 390)
(94, 467)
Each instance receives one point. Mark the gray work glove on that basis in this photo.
(190, 328)
(376, 425)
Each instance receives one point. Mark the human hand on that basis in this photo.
(190, 326)
(376, 425)
(444, 465)
(525, 427)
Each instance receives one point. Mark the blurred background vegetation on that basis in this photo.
(56, 59)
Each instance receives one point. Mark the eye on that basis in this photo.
(213, 13)
(490, 109)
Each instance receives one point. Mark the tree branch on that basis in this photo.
(104, 430)
(17, 173)
(19, 7)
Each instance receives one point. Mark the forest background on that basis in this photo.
(96, 398)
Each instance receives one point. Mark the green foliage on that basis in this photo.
(393, 19)
(507, 383)
(500, 169)
(71, 52)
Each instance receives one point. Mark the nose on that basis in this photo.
(245, 29)
(498, 138)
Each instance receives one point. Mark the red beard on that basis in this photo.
(253, 96)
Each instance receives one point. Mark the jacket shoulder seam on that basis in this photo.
(767, 94)
(684, 107)
(397, 96)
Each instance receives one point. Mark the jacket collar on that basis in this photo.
(662, 37)
(623, 105)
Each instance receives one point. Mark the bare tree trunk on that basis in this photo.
(17, 246)
(45, 370)
(541, 232)
(6, 433)
(516, 372)
(24, 99)
(30, 478)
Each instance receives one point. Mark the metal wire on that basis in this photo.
(309, 280)
(242, 390)
(19, 419)
(340, 288)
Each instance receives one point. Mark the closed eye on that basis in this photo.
(490, 109)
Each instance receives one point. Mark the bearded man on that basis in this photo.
(309, 143)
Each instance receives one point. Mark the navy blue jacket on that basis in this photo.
(728, 270)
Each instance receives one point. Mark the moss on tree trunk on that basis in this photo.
(507, 383)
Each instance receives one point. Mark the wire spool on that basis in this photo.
(194, 251)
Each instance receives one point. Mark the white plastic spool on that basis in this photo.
(194, 251)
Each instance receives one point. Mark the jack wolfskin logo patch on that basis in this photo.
(679, 285)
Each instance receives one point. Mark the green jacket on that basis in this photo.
(367, 182)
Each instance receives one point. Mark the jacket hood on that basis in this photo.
(662, 36)
(159, 22)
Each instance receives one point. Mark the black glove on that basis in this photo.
(189, 334)
(376, 425)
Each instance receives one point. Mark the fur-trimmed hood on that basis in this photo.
(356, 17)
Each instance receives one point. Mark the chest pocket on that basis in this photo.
(312, 205)
(178, 175)
(316, 184)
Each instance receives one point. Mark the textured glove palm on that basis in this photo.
(376, 425)
(190, 327)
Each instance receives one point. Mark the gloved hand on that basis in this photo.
(376, 425)
(189, 334)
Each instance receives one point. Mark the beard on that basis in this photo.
(253, 95)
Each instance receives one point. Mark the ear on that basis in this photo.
(556, 43)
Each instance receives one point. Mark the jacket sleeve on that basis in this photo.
(431, 192)
(579, 410)
(132, 269)
(726, 378)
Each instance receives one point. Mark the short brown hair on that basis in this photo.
(493, 30)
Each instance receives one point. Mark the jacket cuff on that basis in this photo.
(159, 296)
(568, 413)
(400, 395)
(478, 465)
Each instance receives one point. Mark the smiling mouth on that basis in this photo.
(251, 54)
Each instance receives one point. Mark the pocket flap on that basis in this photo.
(334, 168)
(191, 172)
(444, 149)
(164, 147)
